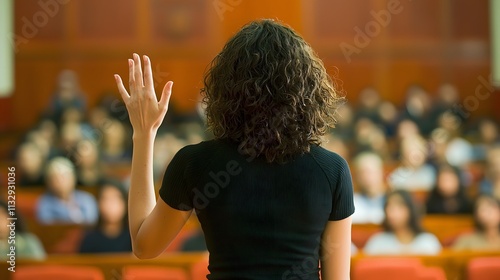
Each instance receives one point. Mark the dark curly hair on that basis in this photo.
(268, 91)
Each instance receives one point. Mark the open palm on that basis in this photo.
(146, 113)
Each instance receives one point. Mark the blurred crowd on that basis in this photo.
(428, 156)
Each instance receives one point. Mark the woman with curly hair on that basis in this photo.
(272, 203)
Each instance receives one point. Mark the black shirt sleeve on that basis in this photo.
(174, 188)
(343, 201)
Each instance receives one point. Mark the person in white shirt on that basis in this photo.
(402, 233)
(371, 188)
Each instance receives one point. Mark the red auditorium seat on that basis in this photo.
(153, 273)
(386, 269)
(431, 273)
(51, 272)
(395, 269)
(199, 271)
(484, 268)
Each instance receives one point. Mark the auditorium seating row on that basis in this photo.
(193, 266)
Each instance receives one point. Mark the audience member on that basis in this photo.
(111, 233)
(402, 231)
(487, 221)
(371, 188)
(67, 94)
(458, 151)
(62, 203)
(115, 147)
(27, 245)
(417, 108)
(448, 196)
(489, 137)
(88, 163)
(413, 173)
(30, 163)
(491, 183)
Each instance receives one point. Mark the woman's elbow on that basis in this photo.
(144, 254)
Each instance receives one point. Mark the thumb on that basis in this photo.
(165, 95)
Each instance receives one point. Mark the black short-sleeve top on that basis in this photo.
(261, 220)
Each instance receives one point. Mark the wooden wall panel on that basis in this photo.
(429, 42)
(108, 20)
(40, 22)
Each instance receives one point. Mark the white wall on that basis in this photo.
(6, 47)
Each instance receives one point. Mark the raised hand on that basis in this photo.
(146, 113)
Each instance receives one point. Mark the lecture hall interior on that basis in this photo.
(420, 129)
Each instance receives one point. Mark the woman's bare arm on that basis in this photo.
(336, 250)
(153, 225)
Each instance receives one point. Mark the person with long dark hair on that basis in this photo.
(402, 233)
(272, 203)
(487, 224)
(111, 233)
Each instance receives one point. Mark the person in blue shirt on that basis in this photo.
(62, 203)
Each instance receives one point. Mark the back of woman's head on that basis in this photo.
(268, 91)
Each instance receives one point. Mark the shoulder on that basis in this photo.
(197, 150)
(426, 237)
(47, 198)
(327, 159)
(381, 237)
(83, 195)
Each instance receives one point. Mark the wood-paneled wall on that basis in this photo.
(427, 42)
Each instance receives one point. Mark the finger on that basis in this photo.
(165, 95)
(131, 80)
(138, 71)
(121, 88)
(148, 73)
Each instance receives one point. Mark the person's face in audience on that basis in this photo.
(448, 183)
(114, 134)
(86, 154)
(72, 115)
(71, 133)
(61, 180)
(397, 213)
(488, 131)
(370, 177)
(30, 160)
(345, 115)
(48, 130)
(488, 213)
(112, 206)
(414, 152)
(407, 128)
(494, 162)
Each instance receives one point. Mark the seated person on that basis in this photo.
(491, 183)
(62, 203)
(111, 233)
(448, 196)
(413, 173)
(402, 232)
(487, 220)
(27, 245)
(369, 200)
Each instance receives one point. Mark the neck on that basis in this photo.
(112, 229)
(404, 234)
(492, 233)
